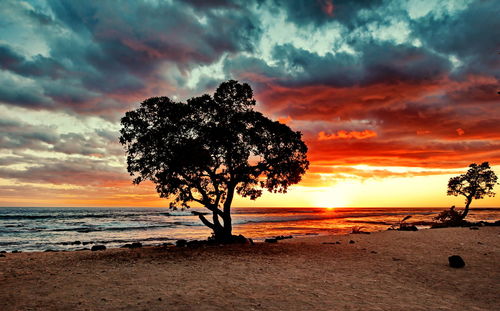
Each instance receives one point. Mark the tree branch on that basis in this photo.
(203, 219)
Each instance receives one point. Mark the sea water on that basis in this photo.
(66, 228)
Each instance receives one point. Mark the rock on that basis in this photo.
(283, 237)
(181, 243)
(195, 243)
(136, 245)
(167, 244)
(3, 252)
(15, 251)
(373, 252)
(239, 239)
(98, 248)
(76, 243)
(351, 242)
(474, 228)
(86, 243)
(408, 228)
(456, 261)
(50, 250)
(271, 240)
(338, 242)
(132, 245)
(2, 255)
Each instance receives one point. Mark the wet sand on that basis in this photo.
(389, 270)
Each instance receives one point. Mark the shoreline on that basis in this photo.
(388, 270)
(60, 229)
(87, 245)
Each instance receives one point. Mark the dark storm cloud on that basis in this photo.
(381, 62)
(25, 96)
(472, 35)
(40, 66)
(319, 12)
(171, 32)
(109, 49)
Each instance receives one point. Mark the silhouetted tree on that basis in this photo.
(210, 148)
(477, 183)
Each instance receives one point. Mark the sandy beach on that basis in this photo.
(389, 270)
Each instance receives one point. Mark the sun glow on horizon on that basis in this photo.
(336, 196)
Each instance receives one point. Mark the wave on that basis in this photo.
(79, 216)
(96, 229)
(361, 212)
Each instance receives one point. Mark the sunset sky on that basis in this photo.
(392, 97)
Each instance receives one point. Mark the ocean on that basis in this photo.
(69, 228)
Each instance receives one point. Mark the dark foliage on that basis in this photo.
(210, 148)
(449, 218)
(477, 183)
(402, 225)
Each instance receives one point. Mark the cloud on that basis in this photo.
(471, 35)
(380, 63)
(321, 12)
(347, 135)
(372, 82)
(98, 52)
(79, 172)
(20, 136)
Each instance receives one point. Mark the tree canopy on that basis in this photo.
(210, 148)
(477, 183)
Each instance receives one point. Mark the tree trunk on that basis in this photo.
(467, 204)
(228, 226)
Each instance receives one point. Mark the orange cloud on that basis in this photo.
(284, 120)
(347, 135)
(423, 132)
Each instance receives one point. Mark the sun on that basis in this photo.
(330, 197)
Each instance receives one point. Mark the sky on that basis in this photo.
(392, 97)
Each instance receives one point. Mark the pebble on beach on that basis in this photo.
(456, 261)
(98, 248)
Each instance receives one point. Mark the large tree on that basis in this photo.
(477, 183)
(210, 148)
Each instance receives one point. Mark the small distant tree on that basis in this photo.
(210, 148)
(477, 183)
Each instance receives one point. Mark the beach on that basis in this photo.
(390, 270)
